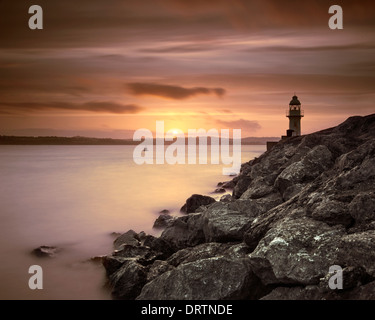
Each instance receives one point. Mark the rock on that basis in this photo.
(115, 234)
(112, 263)
(130, 237)
(257, 189)
(98, 259)
(296, 251)
(362, 208)
(221, 223)
(358, 250)
(291, 179)
(332, 212)
(219, 190)
(184, 232)
(256, 207)
(141, 236)
(159, 245)
(352, 277)
(195, 201)
(202, 251)
(364, 292)
(216, 278)
(163, 221)
(144, 255)
(229, 221)
(229, 184)
(311, 292)
(45, 251)
(128, 280)
(157, 268)
(241, 186)
(164, 211)
(226, 198)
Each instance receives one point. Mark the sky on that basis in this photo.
(107, 68)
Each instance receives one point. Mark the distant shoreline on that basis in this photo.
(52, 140)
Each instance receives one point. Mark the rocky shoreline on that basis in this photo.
(300, 208)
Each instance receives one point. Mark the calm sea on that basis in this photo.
(74, 197)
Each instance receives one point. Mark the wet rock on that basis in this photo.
(229, 184)
(130, 237)
(226, 198)
(219, 190)
(165, 211)
(141, 236)
(45, 251)
(195, 201)
(128, 280)
(163, 221)
(98, 259)
(112, 263)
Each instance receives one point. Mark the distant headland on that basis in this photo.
(78, 140)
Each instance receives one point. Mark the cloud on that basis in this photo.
(92, 106)
(318, 48)
(172, 92)
(246, 125)
(186, 48)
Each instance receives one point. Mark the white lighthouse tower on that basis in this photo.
(294, 113)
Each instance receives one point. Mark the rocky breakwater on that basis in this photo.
(305, 205)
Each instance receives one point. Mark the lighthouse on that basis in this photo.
(294, 113)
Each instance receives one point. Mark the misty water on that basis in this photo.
(74, 197)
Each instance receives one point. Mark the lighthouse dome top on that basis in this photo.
(294, 101)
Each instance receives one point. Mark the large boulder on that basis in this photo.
(216, 278)
(195, 201)
(296, 251)
(128, 280)
(222, 222)
(184, 232)
(229, 221)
